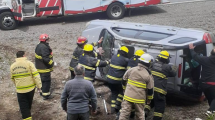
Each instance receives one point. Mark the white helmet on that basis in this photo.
(146, 58)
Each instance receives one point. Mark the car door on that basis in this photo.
(49, 7)
(92, 6)
(108, 47)
(74, 6)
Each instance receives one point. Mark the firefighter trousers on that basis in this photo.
(132, 115)
(127, 109)
(116, 97)
(46, 83)
(210, 95)
(25, 102)
(159, 103)
(72, 74)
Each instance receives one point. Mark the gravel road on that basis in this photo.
(63, 33)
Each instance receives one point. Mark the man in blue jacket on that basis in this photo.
(76, 95)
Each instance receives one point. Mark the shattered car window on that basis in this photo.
(107, 45)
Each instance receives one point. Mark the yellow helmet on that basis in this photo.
(88, 47)
(139, 53)
(124, 48)
(164, 54)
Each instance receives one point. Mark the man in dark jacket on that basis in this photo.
(81, 42)
(44, 64)
(76, 96)
(207, 80)
(90, 63)
(115, 74)
(133, 62)
(161, 70)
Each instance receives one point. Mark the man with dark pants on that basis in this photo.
(161, 70)
(26, 78)
(76, 96)
(207, 80)
(44, 64)
(115, 74)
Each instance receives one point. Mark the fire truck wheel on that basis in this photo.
(116, 11)
(7, 21)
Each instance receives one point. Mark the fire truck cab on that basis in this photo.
(13, 11)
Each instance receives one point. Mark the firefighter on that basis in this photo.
(117, 69)
(81, 42)
(90, 63)
(25, 77)
(139, 88)
(44, 64)
(161, 70)
(134, 60)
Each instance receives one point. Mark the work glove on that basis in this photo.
(108, 61)
(100, 51)
(174, 68)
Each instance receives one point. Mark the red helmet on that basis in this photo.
(82, 40)
(44, 37)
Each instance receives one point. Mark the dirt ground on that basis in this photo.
(63, 33)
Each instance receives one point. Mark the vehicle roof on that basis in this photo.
(175, 32)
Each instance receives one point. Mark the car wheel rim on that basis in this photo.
(8, 21)
(116, 11)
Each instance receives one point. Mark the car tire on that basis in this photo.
(7, 21)
(116, 11)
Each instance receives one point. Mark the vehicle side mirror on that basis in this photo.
(183, 56)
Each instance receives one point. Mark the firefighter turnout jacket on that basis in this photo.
(140, 84)
(76, 55)
(161, 71)
(90, 64)
(43, 58)
(24, 75)
(118, 67)
(133, 62)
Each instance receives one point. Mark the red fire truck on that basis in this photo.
(13, 11)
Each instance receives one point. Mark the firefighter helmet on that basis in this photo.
(164, 54)
(124, 48)
(146, 58)
(88, 47)
(44, 37)
(139, 53)
(82, 40)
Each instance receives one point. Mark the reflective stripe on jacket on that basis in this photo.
(118, 67)
(24, 75)
(161, 72)
(90, 64)
(140, 84)
(43, 58)
(76, 55)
